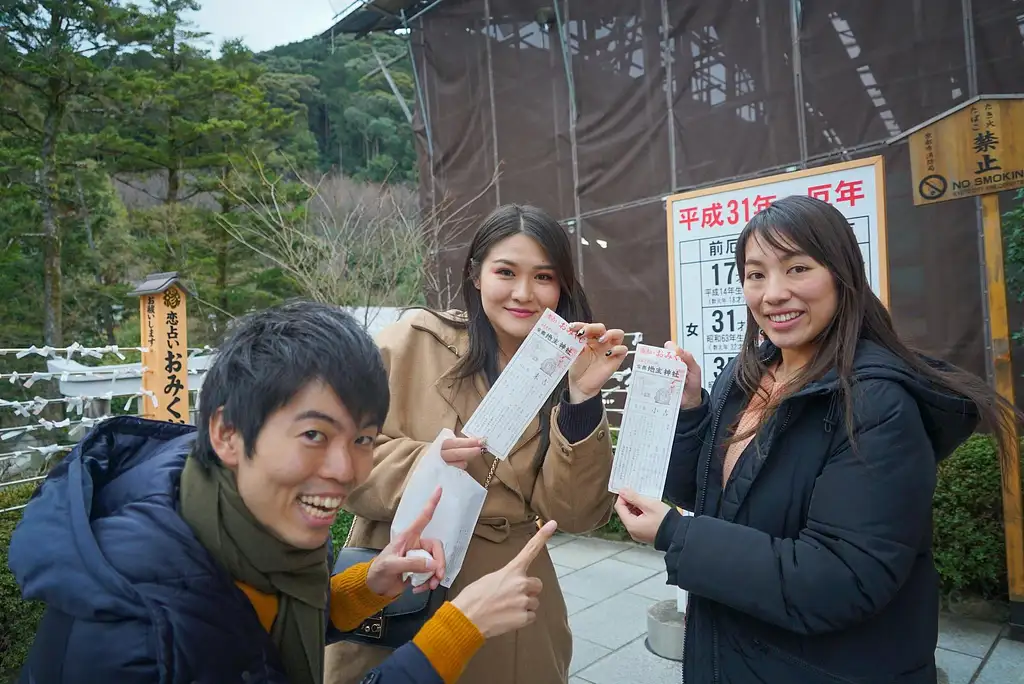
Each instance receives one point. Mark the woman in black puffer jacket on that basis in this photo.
(810, 470)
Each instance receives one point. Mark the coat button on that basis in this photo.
(600, 435)
(566, 449)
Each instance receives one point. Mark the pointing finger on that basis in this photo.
(423, 519)
(534, 546)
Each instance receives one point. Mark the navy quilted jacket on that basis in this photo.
(814, 563)
(131, 596)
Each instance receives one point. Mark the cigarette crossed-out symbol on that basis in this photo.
(933, 186)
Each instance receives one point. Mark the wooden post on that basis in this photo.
(976, 149)
(164, 326)
(999, 334)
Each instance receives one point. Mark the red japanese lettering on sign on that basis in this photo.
(712, 216)
(737, 212)
(762, 202)
(849, 191)
(820, 191)
(733, 217)
(689, 216)
(845, 191)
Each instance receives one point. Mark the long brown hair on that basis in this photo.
(816, 228)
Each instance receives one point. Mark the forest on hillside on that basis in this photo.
(127, 149)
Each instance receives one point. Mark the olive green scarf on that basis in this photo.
(213, 508)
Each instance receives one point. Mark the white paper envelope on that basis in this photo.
(462, 499)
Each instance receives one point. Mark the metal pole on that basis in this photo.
(424, 10)
(566, 60)
(374, 70)
(967, 10)
(666, 56)
(766, 75)
(798, 78)
(350, 9)
(490, 88)
(422, 102)
(424, 106)
(391, 82)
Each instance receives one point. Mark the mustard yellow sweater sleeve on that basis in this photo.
(449, 640)
(352, 601)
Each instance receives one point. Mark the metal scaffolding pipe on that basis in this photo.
(424, 10)
(669, 61)
(798, 77)
(566, 61)
(490, 89)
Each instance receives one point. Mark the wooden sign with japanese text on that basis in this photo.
(977, 150)
(708, 312)
(165, 336)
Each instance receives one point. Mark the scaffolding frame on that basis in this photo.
(721, 74)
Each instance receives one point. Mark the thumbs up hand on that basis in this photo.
(507, 599)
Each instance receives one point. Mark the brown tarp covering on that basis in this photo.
(714, 103)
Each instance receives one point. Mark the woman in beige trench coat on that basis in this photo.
(440, 367)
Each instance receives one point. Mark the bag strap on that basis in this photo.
(494, 466)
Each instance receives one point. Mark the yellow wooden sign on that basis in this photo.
(977, 149)
(162, 310)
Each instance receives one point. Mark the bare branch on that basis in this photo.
(342, 242)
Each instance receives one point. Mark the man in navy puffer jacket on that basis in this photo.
(169, 554)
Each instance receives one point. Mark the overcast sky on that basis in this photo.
(264, 24)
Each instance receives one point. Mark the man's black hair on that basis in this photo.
(270, 356)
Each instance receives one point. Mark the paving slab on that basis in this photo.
(559, 538)
(1005, 665)
(583, 551)
(584, 653)
(614, 622)
(561, 570)
(643, 556)
(574, 604)
(632, 663)
(605, 579)
(655, 588)
(965, 635)
(958, 667)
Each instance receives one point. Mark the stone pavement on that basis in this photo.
(609, 586)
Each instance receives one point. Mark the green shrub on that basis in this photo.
(614, 530)
(18, 618)
(969, 546)
(340, 528)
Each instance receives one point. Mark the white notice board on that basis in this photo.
(708, 312)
